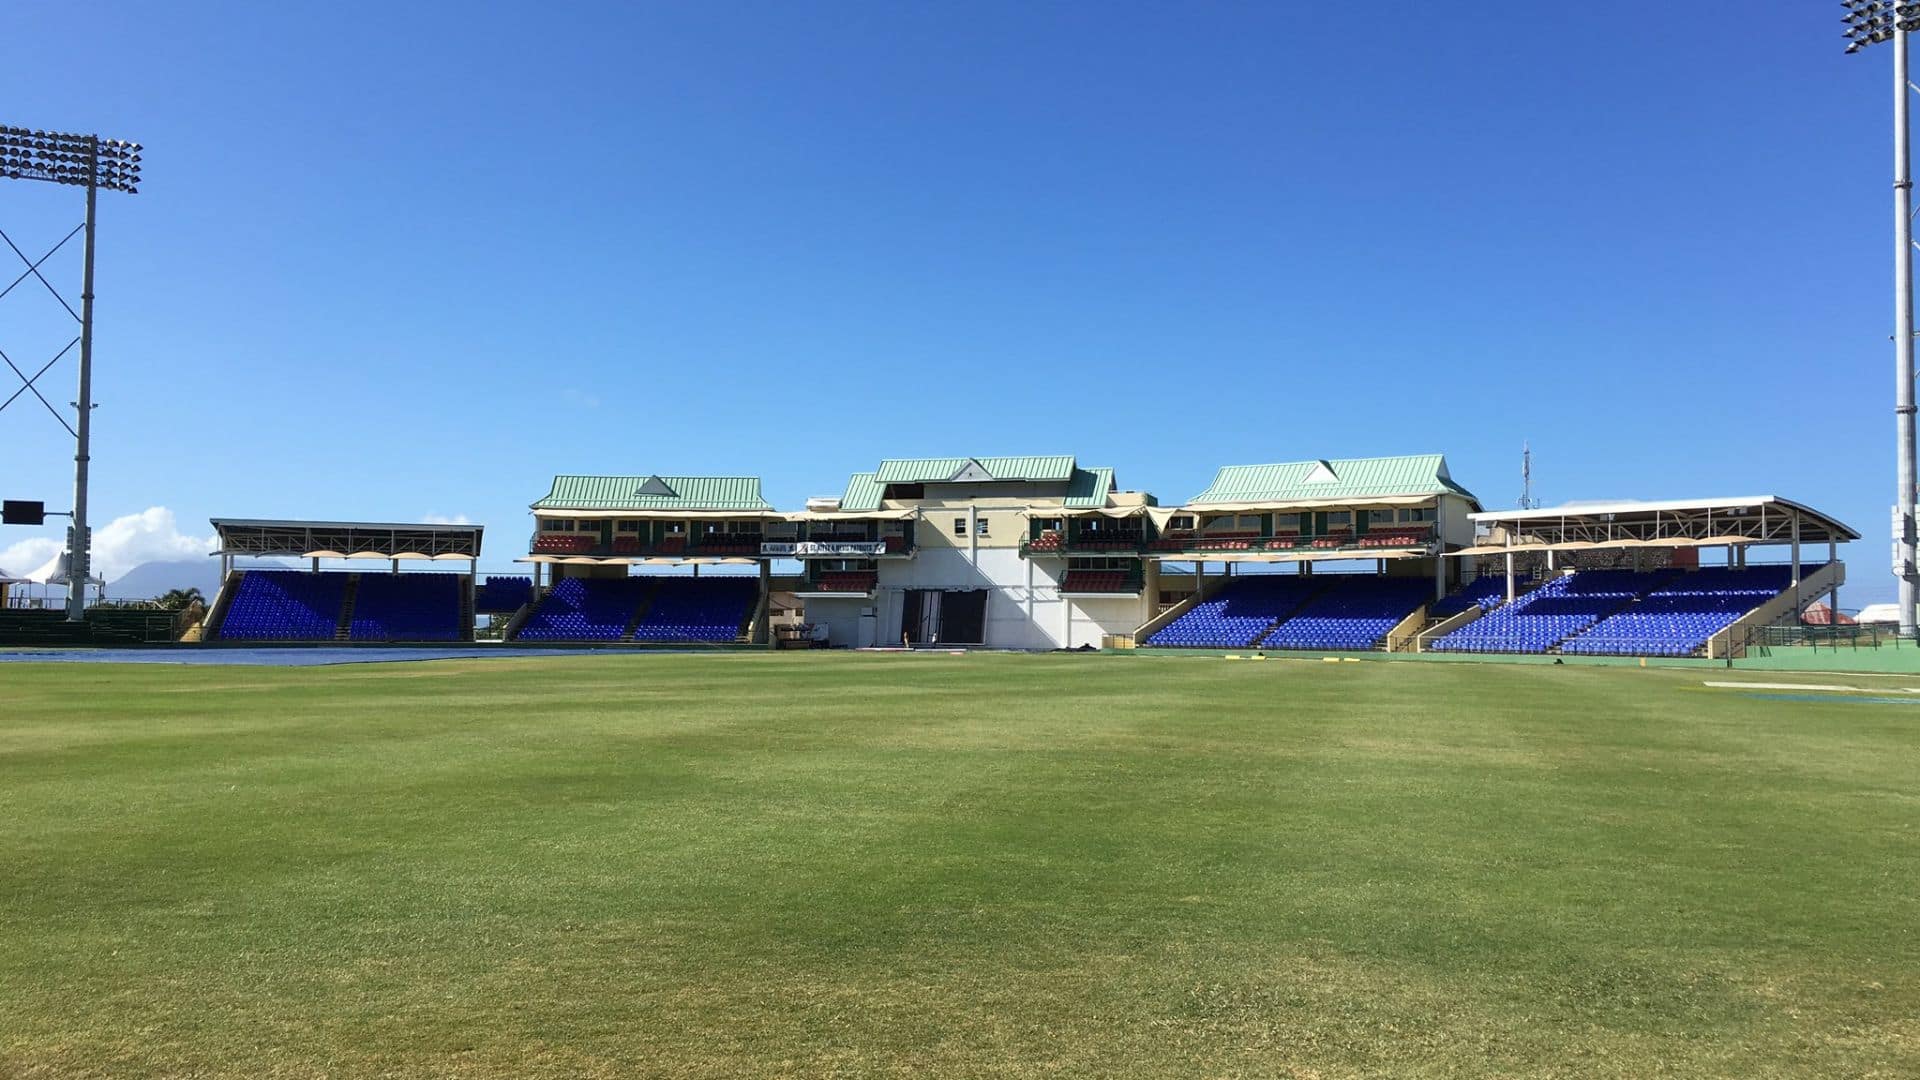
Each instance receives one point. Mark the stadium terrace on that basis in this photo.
(1035, 553)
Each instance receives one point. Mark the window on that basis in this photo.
(556, 524)
(1418, 513)
(1286, 523)
(676, 528)
(980, 526)
(1340, 519)
(629, 526)
(1185, 521)
(1048, 523)
(959, 526)
(1247, 521)
(1380, 517)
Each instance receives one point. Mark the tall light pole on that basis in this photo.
(1870, 22)
(93, 163)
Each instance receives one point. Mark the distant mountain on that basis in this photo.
(157, 578)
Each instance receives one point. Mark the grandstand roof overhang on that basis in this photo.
(1753, 519)
(641, 560)
(853, 515)
(345, 539)
(579, 494)
(663, 515)
(1330, 482)
(1342, 555)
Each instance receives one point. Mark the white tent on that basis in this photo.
(1879, 613)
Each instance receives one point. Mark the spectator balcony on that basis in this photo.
(1080, 541)
(672, 546)
(840, 583)
(1380, 538)
(1102, 583)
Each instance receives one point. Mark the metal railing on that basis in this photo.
(1763, 640)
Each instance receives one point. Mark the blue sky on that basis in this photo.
(394, 261)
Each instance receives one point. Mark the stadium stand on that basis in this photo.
(1239, 614)
(1550, 614)
(285, 605)
(407, 607)
(586, 609)
(1485, 593)
(1678, 617)
(1351, 611)
(502, 595)
(648, 609)
(697, 609)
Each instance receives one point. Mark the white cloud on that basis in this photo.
(574, 396)
(445, 519)
(152, 535)
(27, 555)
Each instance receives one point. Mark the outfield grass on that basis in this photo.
(771, 865)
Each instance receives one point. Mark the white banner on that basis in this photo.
(843, 549)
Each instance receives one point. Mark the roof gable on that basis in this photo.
(1332, 479)
(653, 492)
(950, 470)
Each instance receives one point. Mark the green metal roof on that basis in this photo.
(862, 493)
(1332, 479)
(1090, 487)
(654, 493)
(936, 470)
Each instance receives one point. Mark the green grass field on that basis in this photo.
(794, 865)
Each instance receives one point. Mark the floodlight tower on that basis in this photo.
(91, 162)
(1870, 22)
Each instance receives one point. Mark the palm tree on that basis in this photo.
(181, 599)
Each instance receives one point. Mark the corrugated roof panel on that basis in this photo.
(572, 492)
(935, 470)
(862, 493)
(1414, 474)
(1090, 487)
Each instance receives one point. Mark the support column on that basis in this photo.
(1833, 594)
(763, 613)
(80, 542)
(1796, 564)
(1905, 480)
(1509, 577)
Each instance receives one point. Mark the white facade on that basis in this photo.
(1025, 608)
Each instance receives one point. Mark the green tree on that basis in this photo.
(181, 599)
